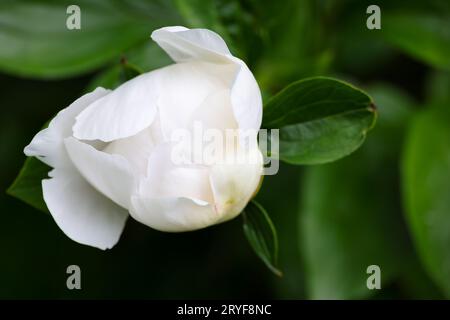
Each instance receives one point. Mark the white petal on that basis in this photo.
(137, 149)
(215, 112)
(177, 202)
(183, 44)
(235, 181)
(111, 174)
(81, 212)
(166, 179)
(172, 214)
(246, 99)
(48, 144)
(123, 113)
(186, 86)
(173, 198)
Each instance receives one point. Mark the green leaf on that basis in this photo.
(261, 234)
(37, 42)
(128, 70)
(320, 120)
(109, 79)
(148, 56)
(143, 58)
(426, 188)
(28, 184)
(424, 35)
(351, 217)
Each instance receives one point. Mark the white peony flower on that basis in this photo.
(111, 151)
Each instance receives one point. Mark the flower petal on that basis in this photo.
(111, 174)
(123, 113)
(234, 182)
(81, 212)
(185, 87)
(246, 98)
(167, 179)
(137, 149)
(215, 112)
(48, 144)
(173, 197)
(183, 44)
(172, 214)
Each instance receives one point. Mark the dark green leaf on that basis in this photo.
(261, 235)
(320, 120)
(148, 56)
(426, 187)
(351, 216)
(37, 42)
(143, 58)
(128, 70)
(422, 34)
(28, 184)
(109, 79)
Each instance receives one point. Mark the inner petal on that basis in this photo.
(186, 87)
(166, 179)
(137, 149)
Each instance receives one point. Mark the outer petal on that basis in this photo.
(48, 144)
(246, 99)
(172, 214)
(123, 113)
(235, 181)
(111, 174)
(173, 198)
(82, 213)
(183, 44)
(166, 179)
(176, 91)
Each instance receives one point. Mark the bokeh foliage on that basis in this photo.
(386, 204)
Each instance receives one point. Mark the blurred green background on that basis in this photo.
(387, 204)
